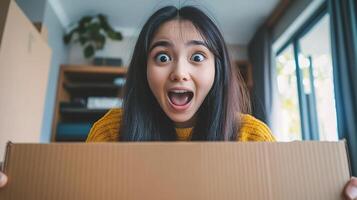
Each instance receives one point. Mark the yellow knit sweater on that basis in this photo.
(106, 129)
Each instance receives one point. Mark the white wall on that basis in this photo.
(294, 17)
(238, 52)
(34, 9)
(289, 16)
(59, 56)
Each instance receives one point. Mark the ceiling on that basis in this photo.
(237, 19)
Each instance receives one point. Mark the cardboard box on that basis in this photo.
(176, 170)
(25, 58)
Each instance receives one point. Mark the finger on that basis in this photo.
(353, 181)
(351, 189)
(3, 180)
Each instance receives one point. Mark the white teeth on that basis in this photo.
(179, 91)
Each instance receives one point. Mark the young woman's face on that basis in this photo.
(180, 70)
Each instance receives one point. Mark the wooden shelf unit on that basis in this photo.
(82, 80)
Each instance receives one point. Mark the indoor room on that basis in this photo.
(133, 83)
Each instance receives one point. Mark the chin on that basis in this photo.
(180, 118)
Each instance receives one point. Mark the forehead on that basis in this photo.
(177, 31)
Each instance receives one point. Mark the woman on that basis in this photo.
(181, 86)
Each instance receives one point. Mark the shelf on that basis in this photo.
(74, 111)
(75, 84)
(93, 89)
(84, 69)
(93, 73)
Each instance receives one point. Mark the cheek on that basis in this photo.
(212, 75)
(156, 79)
(206, 77)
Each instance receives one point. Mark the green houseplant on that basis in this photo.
(91, 32)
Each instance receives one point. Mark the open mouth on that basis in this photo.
(180, 97)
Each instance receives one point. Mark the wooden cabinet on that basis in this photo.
(76, 84)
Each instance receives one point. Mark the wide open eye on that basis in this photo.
(162, 57)
(197, 57)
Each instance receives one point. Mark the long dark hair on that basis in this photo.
(217, 118)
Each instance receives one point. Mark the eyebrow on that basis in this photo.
(165, 43)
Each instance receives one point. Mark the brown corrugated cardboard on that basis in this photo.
(42, 29)
(176, 170)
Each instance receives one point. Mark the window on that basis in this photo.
(288, 96)
(316, 63)
(306, 100)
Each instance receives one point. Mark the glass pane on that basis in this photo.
(288, 116)
(316, 53)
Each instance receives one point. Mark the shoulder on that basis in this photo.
(106, 128)
(252, 129)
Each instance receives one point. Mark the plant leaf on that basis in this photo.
(91, 34)
(114, 35)
(83, 23)
(89, 51)
(94, 28)
(82, 40)
(68, 37)
(84, 20)
(119, 36)
(104, 22)
(100, 41)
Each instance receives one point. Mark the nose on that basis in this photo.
(180, 72)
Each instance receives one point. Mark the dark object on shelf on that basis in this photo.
(79, 100)
(92, 89)
(92, 77)
(116, 62)
(73, 104)
(73, 131)
(82, 114)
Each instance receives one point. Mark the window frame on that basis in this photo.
(308, 120)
